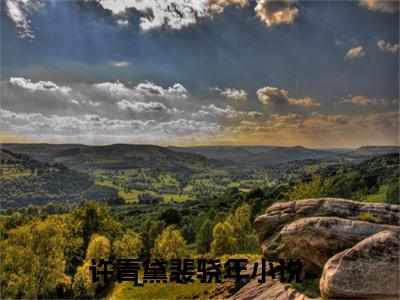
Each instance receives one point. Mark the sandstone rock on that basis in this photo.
(272, 289)
(314, 240)
(251, 289)
(370, 269)
(281, 213)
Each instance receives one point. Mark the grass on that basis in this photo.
(12, 172)
(176, 197)
(163, 291)
(367, 217)
(167, 291)
(131, 196)
(379, 196)
(309, 287)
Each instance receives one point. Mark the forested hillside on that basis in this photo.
(27, 181)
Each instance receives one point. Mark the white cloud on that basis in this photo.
(39, 86)
(231, 93)
(116, 89)
(17, 11)
(363, 101)
(255, 114)
(172, 14)
(215, 111)
(276, 12)
(37, 124)
(388, 47)
(356, 52)
(385, 6)
(120, 64)
(142, 106)
(275, 96)
(177, 91)
(178, 14)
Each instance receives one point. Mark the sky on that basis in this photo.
(322, 74)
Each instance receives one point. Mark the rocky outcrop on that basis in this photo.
(272, 289)
(282, 213)
(251, 289)
(370, 269)
(353, 243)
(314, 240)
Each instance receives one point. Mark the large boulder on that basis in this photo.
(370, 269)
(314, 240)
(282, 213)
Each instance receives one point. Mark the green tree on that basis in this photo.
(392, 194)
(243, 229)
(235, 234)
(316, 188)
(224, 240)
(204, 237)
(170, 244)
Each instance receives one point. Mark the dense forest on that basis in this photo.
(60, 216)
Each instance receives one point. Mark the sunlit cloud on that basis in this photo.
(275, 96)
(276, 12)
(363, 101)
(385, 6)
(356, 52)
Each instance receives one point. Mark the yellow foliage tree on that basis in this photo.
(32, 261)
(170, 244)
(99, 248)
(235, 235)
(129, 246)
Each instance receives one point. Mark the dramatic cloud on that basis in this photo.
(17, 11)
(231, 93)
(275, 96)
(363, 101)
(385, 6)
(155, 14)
(319, 130)
(147, 111)
(218, 6)
(143, 89)
(276, 12)
(91, 125)
(388, 47)
(120, 64)
(356, 52)
(178, 14)
(172, 14)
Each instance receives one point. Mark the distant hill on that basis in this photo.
(370, 151)
(25, 180)
(116, 156)
(258, 155)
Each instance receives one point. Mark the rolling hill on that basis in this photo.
(25, 181)
(258, 155)
(116, 156)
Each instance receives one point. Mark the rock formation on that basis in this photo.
(370, 269)
(355, 244)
